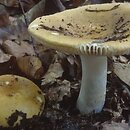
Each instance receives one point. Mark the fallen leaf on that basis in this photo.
(57, 93)
(123, 72)
(31, 66)
(18, 25)
(72, 66)
(115, 126)
(54, 72)
(18, 49)
(4, 57)
(46, 55)
(123, 59)
(18, 28)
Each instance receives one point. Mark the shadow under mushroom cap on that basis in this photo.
(101, 29)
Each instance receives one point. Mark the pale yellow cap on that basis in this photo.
(19, 94)
(102, 29)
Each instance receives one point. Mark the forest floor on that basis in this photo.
(59, 78)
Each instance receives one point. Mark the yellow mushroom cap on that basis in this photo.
(19, 94)
(101, 29)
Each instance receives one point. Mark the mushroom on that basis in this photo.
(93, 32)
(19, 95)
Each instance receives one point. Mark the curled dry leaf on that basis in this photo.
(18, 49)
(54, 72)
(123, 72)
(31, 66)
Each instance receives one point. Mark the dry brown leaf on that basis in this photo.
(115, 126)
(18, 25)
(54, 72)
(123, 72)
(18, 49)
(46, 55)
(31, 66)
(71, 65)
(57, 93)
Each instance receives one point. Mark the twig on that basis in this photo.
(36, 11)
(26, 21)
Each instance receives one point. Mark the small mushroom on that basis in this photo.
(94, 32)
(19, 95)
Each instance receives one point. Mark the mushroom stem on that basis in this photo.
(93, 86)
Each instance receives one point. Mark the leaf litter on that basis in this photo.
(60, 81)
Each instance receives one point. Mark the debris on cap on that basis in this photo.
(100, 29)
